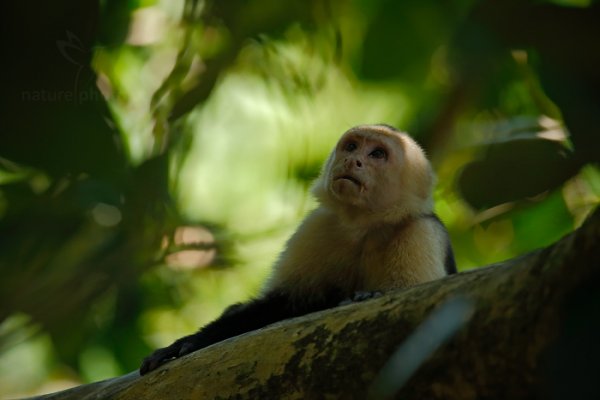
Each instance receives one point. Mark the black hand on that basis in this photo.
(360, 296)
(159, 357)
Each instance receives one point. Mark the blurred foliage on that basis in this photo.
(146, 146)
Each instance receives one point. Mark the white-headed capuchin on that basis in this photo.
(373, 231)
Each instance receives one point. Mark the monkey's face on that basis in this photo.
(365, 168)
(378, 172)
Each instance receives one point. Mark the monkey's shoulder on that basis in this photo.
(428, 239)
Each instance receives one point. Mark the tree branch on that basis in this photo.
(508, 349)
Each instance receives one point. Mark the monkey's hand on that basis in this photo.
(360, 296)
(178, 349)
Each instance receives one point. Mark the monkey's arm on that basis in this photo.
(240, 318)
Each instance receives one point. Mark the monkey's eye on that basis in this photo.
(378, 153)
(350, 146)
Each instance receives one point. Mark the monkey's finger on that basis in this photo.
(148, 365)
(158, 358)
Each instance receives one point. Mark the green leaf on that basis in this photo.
(516, 169)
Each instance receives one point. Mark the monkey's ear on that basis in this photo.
(514, 170)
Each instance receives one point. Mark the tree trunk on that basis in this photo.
(534, 322)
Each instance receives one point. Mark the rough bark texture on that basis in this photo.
(501, 353)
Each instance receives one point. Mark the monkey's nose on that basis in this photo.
(350, 162)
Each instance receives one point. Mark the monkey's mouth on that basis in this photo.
(349, 178)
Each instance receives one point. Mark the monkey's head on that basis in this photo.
(378, 170)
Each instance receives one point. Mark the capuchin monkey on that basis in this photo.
(374, 231)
